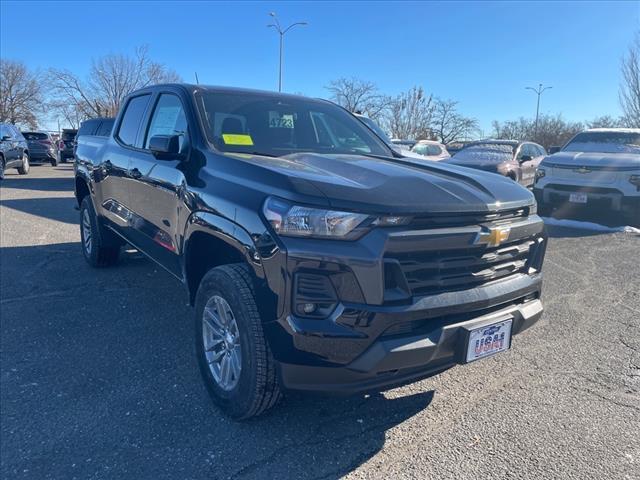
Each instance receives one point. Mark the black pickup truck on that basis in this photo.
(316, 257)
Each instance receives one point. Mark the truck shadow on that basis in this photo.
(50, 184)
(115, 345)
(60, 209)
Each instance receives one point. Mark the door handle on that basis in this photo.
(135, 173)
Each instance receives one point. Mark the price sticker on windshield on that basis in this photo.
(237, 139)
(277, 120)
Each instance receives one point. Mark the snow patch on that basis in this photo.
(588, 226)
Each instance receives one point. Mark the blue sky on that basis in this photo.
(481, 54)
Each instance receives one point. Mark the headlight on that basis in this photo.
(540, 173)
(533, 209)
(298, 221)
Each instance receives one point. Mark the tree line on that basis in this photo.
(28, 98)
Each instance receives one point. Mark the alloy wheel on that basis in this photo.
(221, 340)
(86, 232)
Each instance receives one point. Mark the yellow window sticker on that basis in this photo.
(237, 139)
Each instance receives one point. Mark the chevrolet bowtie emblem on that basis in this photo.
(493, 237)
(582, 170)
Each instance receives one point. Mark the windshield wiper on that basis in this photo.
(262, 154)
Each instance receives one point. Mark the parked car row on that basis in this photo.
(21, 149)
(596, 168)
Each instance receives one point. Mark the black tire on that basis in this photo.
(103, 248)
(54, 162)
(1, 167)
(257, 388)
(26, 165)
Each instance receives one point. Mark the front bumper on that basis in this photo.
(558, 196)
(394, 361)
(382, 330)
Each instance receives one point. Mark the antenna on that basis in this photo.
(197, 81)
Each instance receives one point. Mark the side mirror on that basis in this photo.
(554, 149)
(525, 158)
(5, 138)
(165, 146)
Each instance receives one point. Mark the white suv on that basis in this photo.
(598, 167)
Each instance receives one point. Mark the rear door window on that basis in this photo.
(105, 128)
(131, 119)
(35, 136)
(88, 127)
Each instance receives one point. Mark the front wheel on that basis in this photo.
(99, 247)
(233, 355)
(24, 168)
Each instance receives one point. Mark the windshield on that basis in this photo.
(486, 152)
(277, 125)
(605, 142)
(376, 128)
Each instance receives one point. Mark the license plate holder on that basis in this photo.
(487, 340)
(578, 197)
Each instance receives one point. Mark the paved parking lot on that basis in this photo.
(98, 377)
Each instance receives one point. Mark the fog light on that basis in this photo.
(309, 307)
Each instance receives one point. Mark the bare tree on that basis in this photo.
(449, 125)
(110, 80)
(607, 121)
(629, 93)
(20, 94)
(409, 115)
(552, 130)
(358, 96)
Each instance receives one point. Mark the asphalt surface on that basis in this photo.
(98, 376)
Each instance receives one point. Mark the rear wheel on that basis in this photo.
(233, 355)
(100, 247)
(24, 168)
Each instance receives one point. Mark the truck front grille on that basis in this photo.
(440, 271)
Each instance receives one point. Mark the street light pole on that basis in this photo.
(282, 32)
(538, 91)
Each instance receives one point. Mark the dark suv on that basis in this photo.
(317, 258)
(14, 151)
(66, 144)
(41, 147)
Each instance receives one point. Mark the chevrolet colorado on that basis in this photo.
(316, 257)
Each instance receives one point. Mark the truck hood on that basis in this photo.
(607, 161)
(389, 185)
